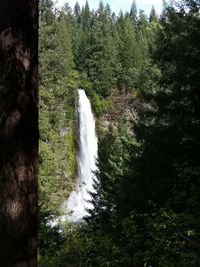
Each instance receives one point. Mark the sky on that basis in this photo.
(117, 5)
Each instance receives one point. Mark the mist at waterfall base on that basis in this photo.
(79, 200)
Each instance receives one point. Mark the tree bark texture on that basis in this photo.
(18, 132)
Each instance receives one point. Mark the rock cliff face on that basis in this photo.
(122, 106)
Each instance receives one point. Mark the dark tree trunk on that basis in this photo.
(18, 132)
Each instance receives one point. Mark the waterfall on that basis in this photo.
(87, 155)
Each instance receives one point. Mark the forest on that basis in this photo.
(142, 76)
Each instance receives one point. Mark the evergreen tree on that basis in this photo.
(56, 110)
(101, 7)
(77, 9)
(46, 11)
(67, 9)
(102, 59)
(159, 164)
(63, 46)
(142, 34)
(146, 204)
(108, 10)
(180, 75)
(129, 54)
(77, 12)
(133, 13)
(85, 15)
(152, 14)
(113, 17)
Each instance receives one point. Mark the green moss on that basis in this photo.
(71, 143)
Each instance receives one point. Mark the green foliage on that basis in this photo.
(112, 53)
(129, 56)
(146, 204)
(57, 156)
(99, 104)
(133, 13)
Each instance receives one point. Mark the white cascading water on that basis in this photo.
(79, 199)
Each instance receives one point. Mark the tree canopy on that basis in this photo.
(142, 75)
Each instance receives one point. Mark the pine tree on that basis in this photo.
(46, 11)
(108, 10)
(85, 15)
(66, 9)
(142, 34)
(77, 12)
(101, 7)
(63, 46)
(77, 9)
(152, 14)
(180, 75)
(102, 56)
(129, 54)
(133, 13)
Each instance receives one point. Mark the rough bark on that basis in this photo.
(18, 132)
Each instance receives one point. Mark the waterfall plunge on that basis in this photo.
(78, 200)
